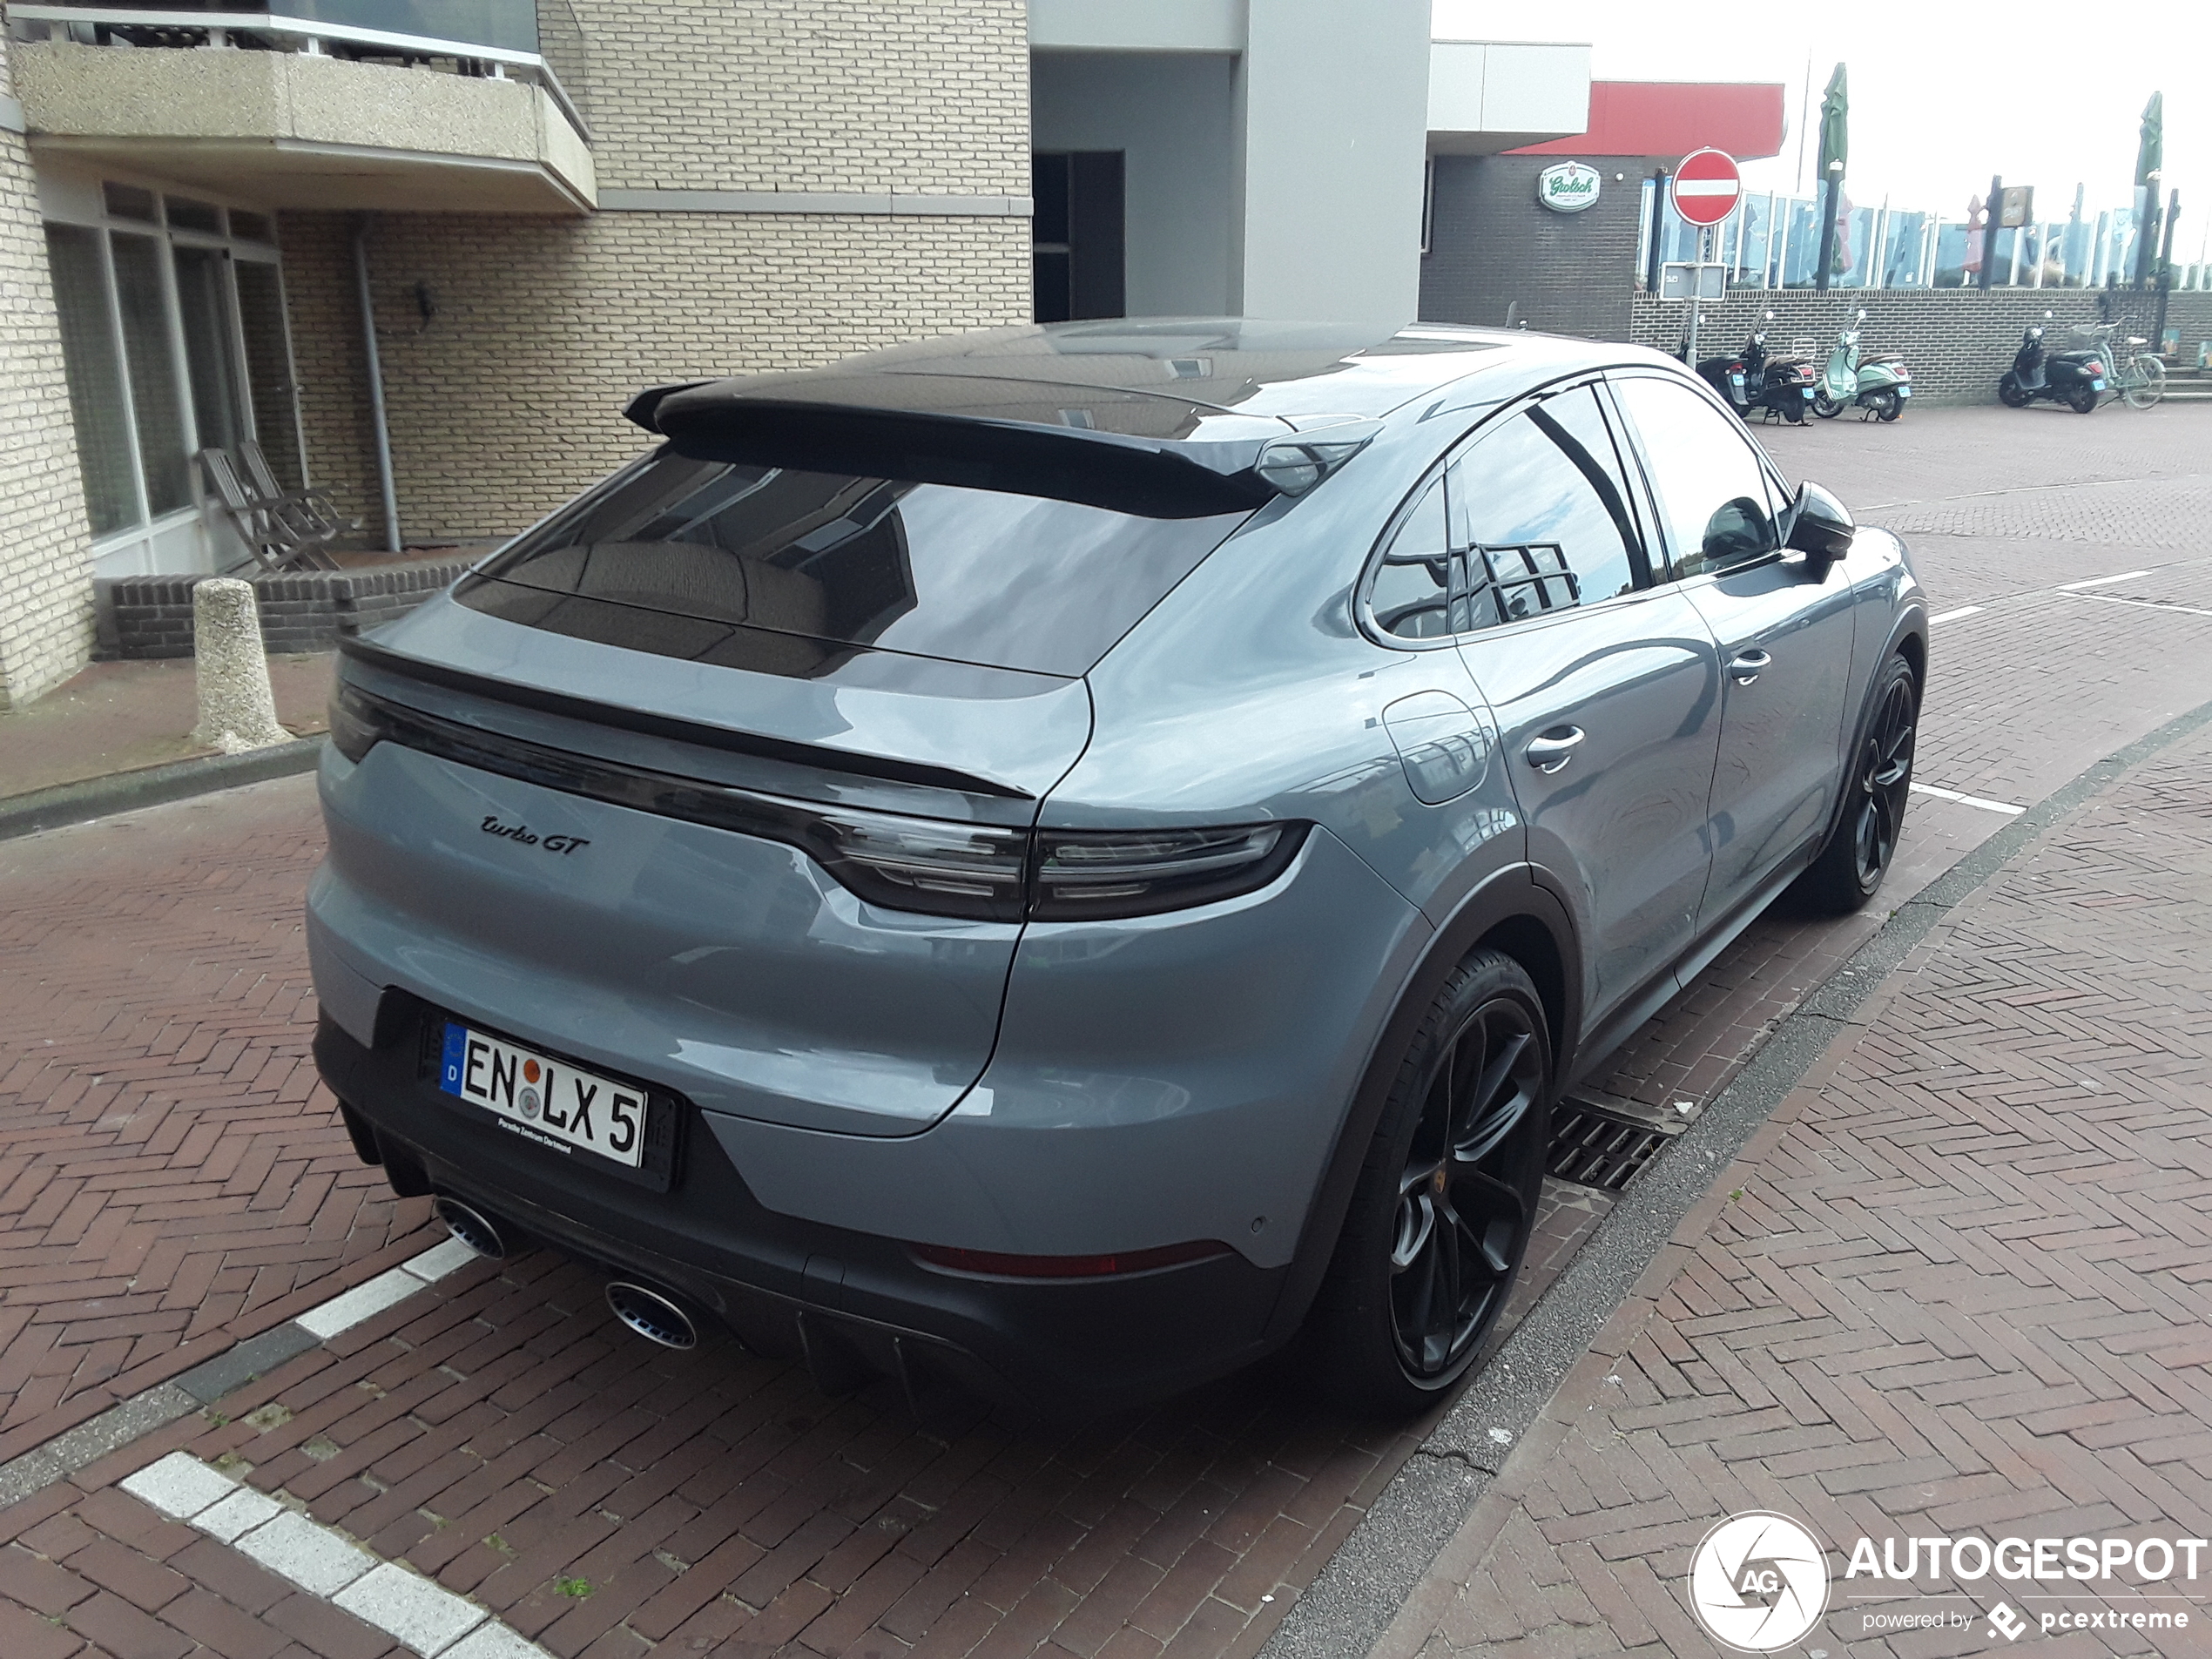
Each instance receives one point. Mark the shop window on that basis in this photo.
(157, 400)
(94, 367)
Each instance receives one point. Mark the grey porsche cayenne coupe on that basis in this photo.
(1056, 862)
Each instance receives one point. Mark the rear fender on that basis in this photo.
(1514, 900)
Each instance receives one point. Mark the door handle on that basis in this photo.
(1555, 749)
(1744, 667)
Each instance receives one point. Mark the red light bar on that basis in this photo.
(1127, 1261)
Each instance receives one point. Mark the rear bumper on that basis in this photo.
(850, 1304)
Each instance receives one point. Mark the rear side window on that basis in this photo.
(1712, 491)
(1536, 506)
(700, 558)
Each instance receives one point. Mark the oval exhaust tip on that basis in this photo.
(651, 1315)
(471, 1226)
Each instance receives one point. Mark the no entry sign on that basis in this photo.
(1706, 188)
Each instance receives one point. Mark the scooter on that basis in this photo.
(1879, 382)
(2073, 378)
(1751, 380)
(1782, 385)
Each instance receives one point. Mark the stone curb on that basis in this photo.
(1352, 1607)
(122, 792)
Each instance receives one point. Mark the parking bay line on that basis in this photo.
(2143, 604)
(1988, 806)
(112, 1430)
(2100, 581)
(1955, 616)
(415, 1611)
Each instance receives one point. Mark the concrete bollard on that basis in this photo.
(237, 709)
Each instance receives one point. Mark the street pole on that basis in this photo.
(1834, 186)
(1989, 214)
(1696, 289)
(2166, 269)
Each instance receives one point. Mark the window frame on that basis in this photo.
(1646, 576)
(1778, 490)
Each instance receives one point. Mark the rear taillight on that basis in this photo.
(2093, 369)
(1082, 874)
(985, 872)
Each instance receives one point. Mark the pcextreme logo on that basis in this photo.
(1758, 1582)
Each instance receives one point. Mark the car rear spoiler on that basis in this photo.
(1156, 477)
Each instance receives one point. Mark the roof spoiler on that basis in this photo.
(640, 409)
(1155, 477)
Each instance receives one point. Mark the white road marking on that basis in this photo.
(2144, 605)
(366, 1301)
(1953, 616)
(419, 1614)
(2006, 807)
(2100, 581)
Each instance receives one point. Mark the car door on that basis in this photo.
(1786, 641)
(1604, 681)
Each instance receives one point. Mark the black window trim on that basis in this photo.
(1643, 516)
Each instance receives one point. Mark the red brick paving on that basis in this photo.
(1959, 1284)
(156, 1035)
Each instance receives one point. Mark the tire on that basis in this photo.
(1826, 406)
(2010, 395)
(1888, 405)
(1794, 411)
(2148, 384)
(2082, 400)
(1851, 866)
(1445, 1200)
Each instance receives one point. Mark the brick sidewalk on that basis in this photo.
(1959, 1284)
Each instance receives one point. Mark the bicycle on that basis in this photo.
(2142, 380)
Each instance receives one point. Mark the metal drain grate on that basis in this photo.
(1595, 1148)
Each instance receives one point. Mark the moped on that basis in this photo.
(2073, 378)
(1877, 382)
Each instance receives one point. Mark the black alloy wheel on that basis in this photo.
(1447, 1198)
(1888, 404)
(2010, 393)
(1826, 406)
(2082, 399)
(1464, 1212)
(1859, 854)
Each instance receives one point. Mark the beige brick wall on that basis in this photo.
(927, 95)
(45, 550)
(510, 398)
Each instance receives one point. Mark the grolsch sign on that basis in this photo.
(1567, 188)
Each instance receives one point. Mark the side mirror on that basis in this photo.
(1820, 527)
(1862, 314)
(1769, 316)
(2046, 315)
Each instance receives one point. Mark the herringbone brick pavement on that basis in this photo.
(1958, 1285)
(166, 1186)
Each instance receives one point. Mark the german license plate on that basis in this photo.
(546, 1101)
(1905, 391)
(2096, 386)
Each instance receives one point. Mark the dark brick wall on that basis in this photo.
(1497, 256)
(303, 612)
(1957, 341)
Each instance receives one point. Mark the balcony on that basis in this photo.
(449, 106)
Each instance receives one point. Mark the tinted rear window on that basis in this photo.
(679, 554)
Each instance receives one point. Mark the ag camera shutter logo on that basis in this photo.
(1758, 1582)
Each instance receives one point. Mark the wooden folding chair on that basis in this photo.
(313, 506)
(280, 540)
